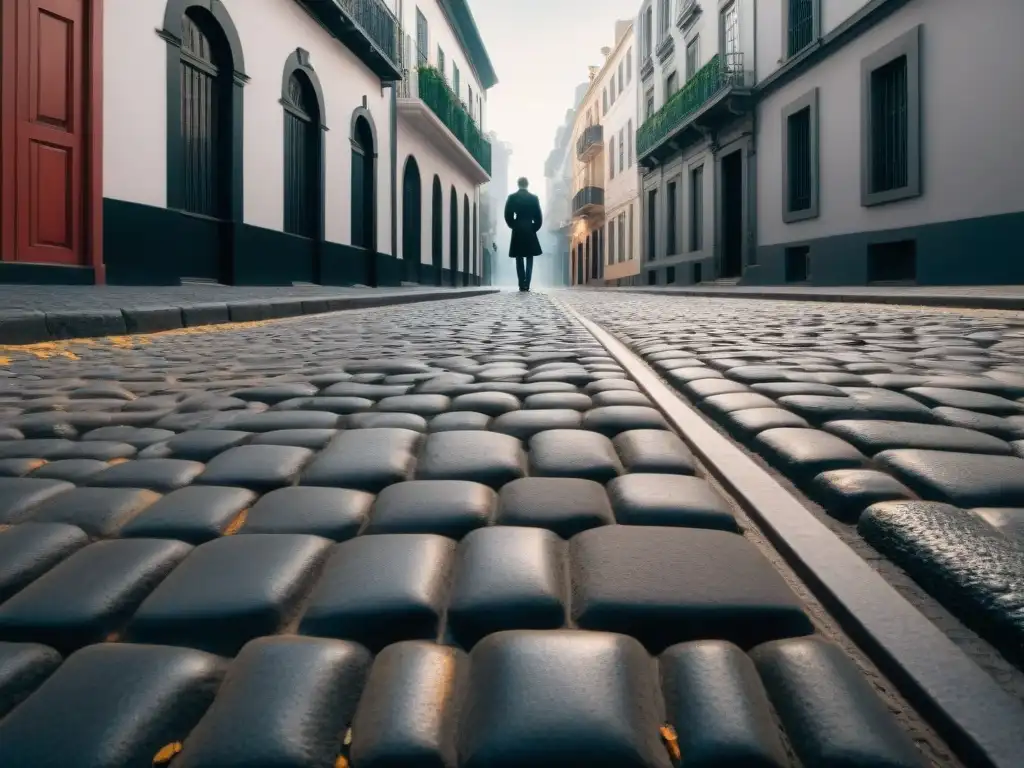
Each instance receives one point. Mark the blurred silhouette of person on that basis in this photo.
(523, 216)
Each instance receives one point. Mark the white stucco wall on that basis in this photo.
(135, 125)
(772, 38)
(972, 142)
(440, 33)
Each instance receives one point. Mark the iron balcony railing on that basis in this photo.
(586, 197)
(714, 77)
(442, 101)
(377, 21)
(592, 136)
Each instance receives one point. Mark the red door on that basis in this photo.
(50, 130)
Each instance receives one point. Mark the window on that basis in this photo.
(692, 57)
(629, 243)
(800, 159)
(629, 66)
(440, 61)
(604, 101)
(622, 236)
(892, 262)
(891, 166)
(621, 149)
(611, 241)
(422, 41)
(652, 277)
(301, 157)
(799, 25)
(731, 37)
(648, 32)
(611, 158)
(697, 209)
(652, 220)
(649, 104)
(664, 11)
(670, 220)
(611, 89)
(469, 100)
(697, 276)
(620, 74)
(797, 263)
(629, 140)
(456, 81)
(671, 85)
(670, 275)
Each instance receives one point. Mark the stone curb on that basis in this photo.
(33, 326)
(1008, 303)
(975, 716)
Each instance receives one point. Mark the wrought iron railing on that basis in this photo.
(587, 196)
(377, 21)
(592, 135)
(434, 91)
(720, 73)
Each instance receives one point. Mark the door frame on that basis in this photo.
(92, 140)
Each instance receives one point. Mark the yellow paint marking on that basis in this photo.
(671, 739)
(235, 525)
(168, 753)
(112, 462)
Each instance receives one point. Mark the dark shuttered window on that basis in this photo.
(801, 25)
(202, 92)
(889, 126)
(799, 138)
(301, 158)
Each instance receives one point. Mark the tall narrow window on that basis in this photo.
(422, 41)
(798, 130)
(469, 101)
(731, 39)
(697, 208)
(889, 126)
(604, 101)
(301, 157)
(649, 104)
(670, 219)
(629, 244)
(800, 33)
(611, 241)
(364, 185)
(630, 142)
(671, 85)
(692, 58)
(629, 66)
(652, 221)
(621, 148)
(204, 84)
(664, 21)
(622, 236)
(648, 31)
(620, 74)
(611, 158)
(441, 62)
(456, 81)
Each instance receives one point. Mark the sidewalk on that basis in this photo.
(36, 313)
(1008, 297)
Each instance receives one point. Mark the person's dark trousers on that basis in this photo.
(524, 269)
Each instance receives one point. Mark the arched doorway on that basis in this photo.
(302, 100)
(453, 237)
(467, 269)
(477, 271)
(412, 214)
(364, 187)
(436, 234)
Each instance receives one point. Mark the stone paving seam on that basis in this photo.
(30, 327)
(975, 714)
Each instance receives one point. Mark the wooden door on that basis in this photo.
(50, 131)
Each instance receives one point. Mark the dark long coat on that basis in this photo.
(523, 216)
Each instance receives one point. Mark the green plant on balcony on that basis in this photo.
(443, 102)
(707, 81)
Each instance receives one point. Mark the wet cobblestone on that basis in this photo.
(860, 406)
(452, 534)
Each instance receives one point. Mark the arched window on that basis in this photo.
(466, 268)
(412, 226)
(204, 109)
(436, 225)
(302, 100)
(476, 244)
(364, 180)
(453, 236)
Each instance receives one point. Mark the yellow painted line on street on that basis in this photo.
(70, 349)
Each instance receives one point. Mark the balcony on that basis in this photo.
(428, 103)
(716, 94)
(589, 201)
(590, 142)
(368, 28)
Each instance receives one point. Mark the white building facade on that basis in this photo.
(233, 141)
(444, 152)
(831, 143)
(594, 146)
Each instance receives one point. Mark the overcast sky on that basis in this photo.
(540, 50)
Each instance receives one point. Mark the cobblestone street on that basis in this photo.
(459, 533)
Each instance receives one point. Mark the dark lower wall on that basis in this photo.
(147, 245)
(981, 251)
(45, 274)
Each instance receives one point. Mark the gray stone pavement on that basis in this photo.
(457, 534)
(1004, 297)
(39, 313)
(905, 425)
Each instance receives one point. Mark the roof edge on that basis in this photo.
(469, 36)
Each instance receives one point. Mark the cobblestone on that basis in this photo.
(857, 405)
(452, 535)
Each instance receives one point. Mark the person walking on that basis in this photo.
(523, 216)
